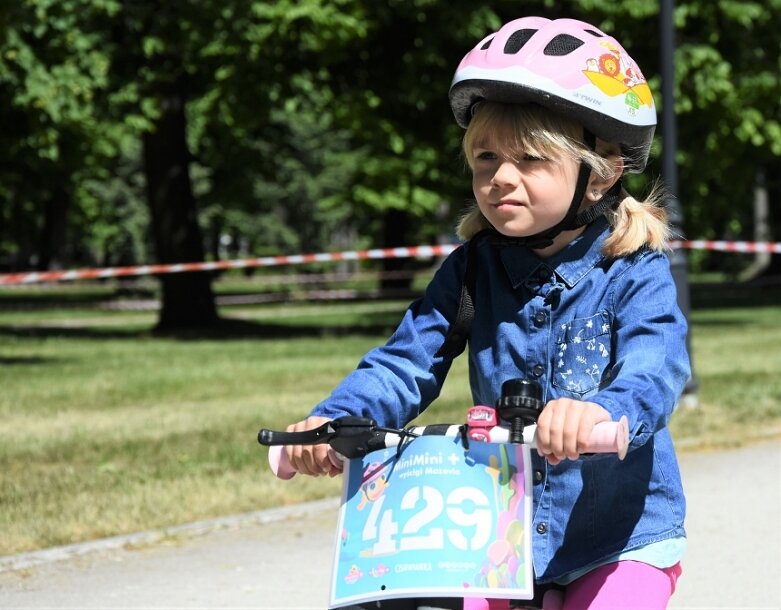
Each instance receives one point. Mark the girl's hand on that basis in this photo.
(564, 427)
(310, 459)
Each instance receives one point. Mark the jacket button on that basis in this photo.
(538, 370)
(539, 318)
(537, 476)
(542, 528)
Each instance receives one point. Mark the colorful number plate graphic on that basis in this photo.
(435, 520)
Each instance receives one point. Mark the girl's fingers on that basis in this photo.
(592, 415)
(312, 460)
(309, 459)
(573, 422)
(542, 437)
(557, 423)
(564, 428)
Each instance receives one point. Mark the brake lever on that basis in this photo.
(321, 434)
(349, 436)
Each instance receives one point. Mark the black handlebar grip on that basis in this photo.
(307, 437)
(266, 437)
(343, 433)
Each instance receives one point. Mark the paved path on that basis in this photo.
(279, 559)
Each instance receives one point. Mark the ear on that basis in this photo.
(598, 186)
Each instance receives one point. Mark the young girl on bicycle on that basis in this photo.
(571, 288)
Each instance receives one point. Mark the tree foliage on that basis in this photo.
(728, 86)
(301, 120)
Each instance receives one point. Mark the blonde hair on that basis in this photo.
(515, 130)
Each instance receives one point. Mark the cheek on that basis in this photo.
(481, 181)
(569, 174)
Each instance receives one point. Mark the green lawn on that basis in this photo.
(106, 428)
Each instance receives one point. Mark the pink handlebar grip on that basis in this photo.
(283, 469)
(279, 464)
(610, 437)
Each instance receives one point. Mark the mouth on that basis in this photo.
(509, 203)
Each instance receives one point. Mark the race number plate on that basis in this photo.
(435, 520)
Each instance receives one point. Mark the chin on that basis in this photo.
(510, 232)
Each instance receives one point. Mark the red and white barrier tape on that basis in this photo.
(8, 279)
(749, 247)
(266, 261)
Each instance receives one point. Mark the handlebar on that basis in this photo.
(513, 420)
(355, 437)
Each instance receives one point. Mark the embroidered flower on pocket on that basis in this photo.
(583, 354)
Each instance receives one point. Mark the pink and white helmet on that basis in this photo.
(569, 66)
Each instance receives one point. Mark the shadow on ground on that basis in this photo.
(223, 329)
(703, 296)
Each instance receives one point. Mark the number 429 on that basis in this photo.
(465, 508)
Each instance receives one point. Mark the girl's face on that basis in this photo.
(523, 195)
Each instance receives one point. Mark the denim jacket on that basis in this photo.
(604, 330)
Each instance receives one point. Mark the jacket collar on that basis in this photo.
(570, 264)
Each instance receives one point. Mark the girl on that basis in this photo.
(569, 285)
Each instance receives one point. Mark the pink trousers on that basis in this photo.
(623, 585)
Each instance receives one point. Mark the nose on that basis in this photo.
(507, 174)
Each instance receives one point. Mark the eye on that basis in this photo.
(484, 155)
(529, 157)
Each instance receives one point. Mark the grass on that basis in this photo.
(106, 428)
(737, 359)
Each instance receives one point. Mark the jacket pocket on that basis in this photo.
(583, 354)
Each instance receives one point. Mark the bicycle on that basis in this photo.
(447, 499)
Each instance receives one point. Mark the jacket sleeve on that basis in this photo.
(394, 383)
(652, 363)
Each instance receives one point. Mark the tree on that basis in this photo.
(158, 61)
(281, 122)
(156, 42)
(185, 55)
(50, 73)
(729, 89)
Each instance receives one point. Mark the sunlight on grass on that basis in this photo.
(737, 357)
(100, 436)
(106, 428)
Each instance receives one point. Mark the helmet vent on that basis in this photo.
(563, 44)
(594, 33)
(487, 43)
(516, 41)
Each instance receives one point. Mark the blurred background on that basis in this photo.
(138, 132)
(142, 131)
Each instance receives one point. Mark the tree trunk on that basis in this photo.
(772, 175)
(187, 298)
(55, 214)
(761, 229)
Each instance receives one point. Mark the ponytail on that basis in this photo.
(471, 223)
(637, 224)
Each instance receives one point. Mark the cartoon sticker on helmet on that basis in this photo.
(614, 73)
(609, 64)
